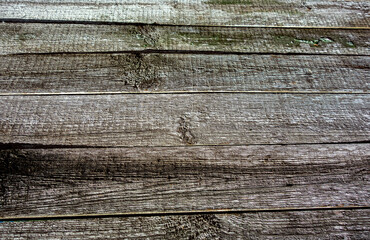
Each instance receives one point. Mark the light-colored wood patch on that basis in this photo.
(196, 12)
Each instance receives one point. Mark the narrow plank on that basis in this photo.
(196, 12)
(336, 224)
(182, 72)
(46, 38)
(184, 119)
(124, 180)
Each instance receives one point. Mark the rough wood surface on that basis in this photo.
(208, 12)
(184, 119)
(111, 180)
(93, 145)
(182, 72)
(45, 38)
(333, 225)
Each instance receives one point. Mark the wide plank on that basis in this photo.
(184, 119)
(64, 38)
(333, 224)
(60, 181)
(104, 73)
(196, 12)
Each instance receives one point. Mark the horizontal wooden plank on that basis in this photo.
(184, 119)
(336, 224)
(124, 180)
(45, 38)
(182, 72)
(208, 12)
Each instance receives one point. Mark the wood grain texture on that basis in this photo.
(182, 72)
(184, 119)
(209, 12)
(46, 38)
(125, 180)
(333, 225)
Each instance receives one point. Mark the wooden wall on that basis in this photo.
(184, 119)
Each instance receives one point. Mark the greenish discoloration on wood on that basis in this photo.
(315, 42)
(82, 38)
(211, 38)
(72, 147)
(349, 44)
(293, 41)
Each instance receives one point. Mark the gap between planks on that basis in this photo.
(174, 213)
(178, 92)
(20, 20)
(190, 52)
(7, 146)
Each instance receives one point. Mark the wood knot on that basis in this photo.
(141, 71)
(185, 133)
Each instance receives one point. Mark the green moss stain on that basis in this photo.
(326, 40)
(349, 44)
(286, 40)
(314, 42)
(293, 41)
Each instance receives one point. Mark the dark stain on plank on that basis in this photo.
(181, 178)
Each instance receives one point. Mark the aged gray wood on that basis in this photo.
(182, 72)
(336, 224)
(125, 180)
(184, 119)
(45, 38)
(197, 12)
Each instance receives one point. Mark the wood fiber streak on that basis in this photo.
(333, 225)
(184, 119)
(182, 72)
(111, 180)
(196, 12)
(46, 38)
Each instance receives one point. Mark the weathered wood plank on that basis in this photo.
(209, 12)
(44, 38)
(183, 119)
(182, 72)
(336, 224)
(111, 180)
